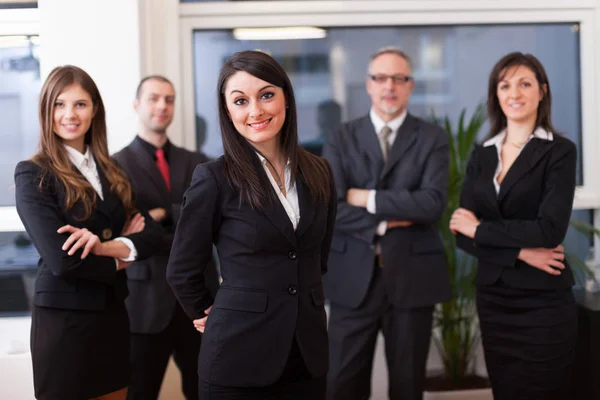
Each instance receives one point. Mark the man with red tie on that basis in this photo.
(160, 172)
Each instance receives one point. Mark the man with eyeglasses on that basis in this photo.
(386, 267)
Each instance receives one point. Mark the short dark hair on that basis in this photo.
(160, 78)
(495, 113)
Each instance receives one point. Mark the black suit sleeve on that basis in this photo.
(507, 256)
(39, 211)
(192, 244)
(331, 214)
(548, 230)
(426, 204)
(354, 221)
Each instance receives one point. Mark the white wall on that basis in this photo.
(102, 37)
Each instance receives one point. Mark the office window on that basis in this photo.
(451, 65)
(18, 265)
(19, 90)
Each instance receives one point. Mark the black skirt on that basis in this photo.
(79, 354)
(295, 383)
(528, 339)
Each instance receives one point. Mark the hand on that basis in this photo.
(134, 225)
(398, 224)
(158, 214)
(465, 222)
(544, 259)
(80, 237)
(122, 264)
(357, 197)
(200, 324)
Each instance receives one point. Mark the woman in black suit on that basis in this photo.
(269, 207)
(74, 202)
(514, 212)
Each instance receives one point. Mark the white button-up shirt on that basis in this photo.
(290, 200)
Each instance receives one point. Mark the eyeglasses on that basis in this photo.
(397, 79)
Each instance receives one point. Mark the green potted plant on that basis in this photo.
(456, 332)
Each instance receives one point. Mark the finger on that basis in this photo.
(550, 270)
(66, 228)
(207, 311)
(89, 246)
(71, 239)
(81, 242)
(558, 256)
(559, 248)
(557, 264)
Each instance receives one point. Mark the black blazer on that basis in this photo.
(412, 185)
(271, 290)
(151, 302)
(65, 281)
(532, 210)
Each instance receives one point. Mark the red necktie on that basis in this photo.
(163, 167)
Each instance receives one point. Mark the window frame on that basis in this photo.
(345, 13)
(24, 21)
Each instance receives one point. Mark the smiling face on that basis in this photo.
(519, 94)
(73, 114)
(257, 109)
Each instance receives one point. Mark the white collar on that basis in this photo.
(263, 160)
(539, 133)
(80, 160)
(394, 124)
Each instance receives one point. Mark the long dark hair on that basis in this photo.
(240, 158)
(495, 113)
(52, 156)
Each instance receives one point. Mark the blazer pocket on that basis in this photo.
(241, 299)
(49, 283)
(317, 295)
(426, 247)
(138, 272)
(338, 244)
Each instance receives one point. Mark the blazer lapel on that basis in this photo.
(369, 141)
(111, 201)
(405, 138)
(529, 157)
(148, 164)
(489, 163)
(307, 209)
(275, 213)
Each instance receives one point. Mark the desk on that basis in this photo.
(585, 377)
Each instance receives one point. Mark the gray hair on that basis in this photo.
(390, 50)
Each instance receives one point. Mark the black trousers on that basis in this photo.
(529, 341)
(150, 355)
(352, 338)
(296, 383)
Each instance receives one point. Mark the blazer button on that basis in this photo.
(293, 290)
(292, 255)
(106, 233)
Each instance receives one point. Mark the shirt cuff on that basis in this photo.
(132, 251)
(371, 202)
(381, 228)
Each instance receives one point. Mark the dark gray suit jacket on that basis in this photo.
(151, 301)
(412, 185)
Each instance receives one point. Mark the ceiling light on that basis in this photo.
(283, 33)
